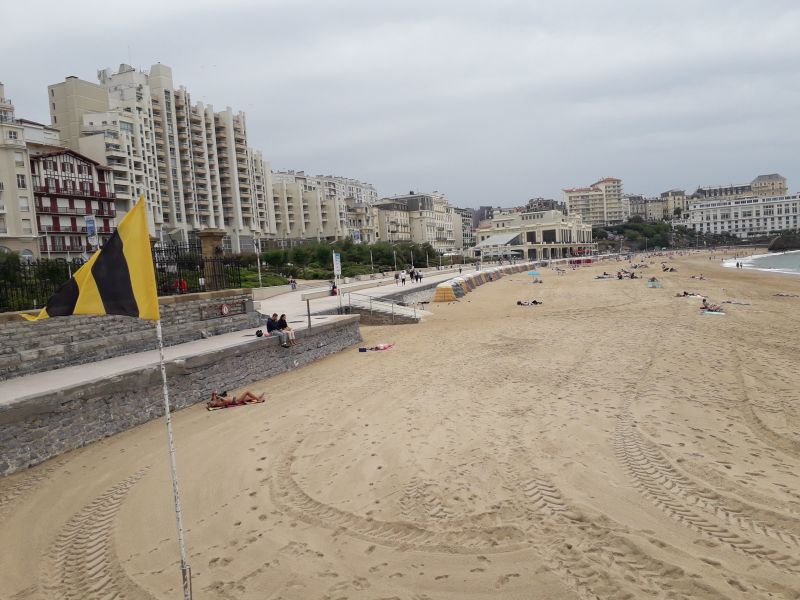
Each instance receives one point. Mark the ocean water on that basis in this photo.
(783, 262)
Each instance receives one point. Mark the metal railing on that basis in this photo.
(383, 306)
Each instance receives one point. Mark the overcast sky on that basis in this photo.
(491, 102)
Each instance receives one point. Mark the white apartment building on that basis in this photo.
(533, 235)
(744, 217)
(322, 207)
(465, 234)
(17, 221)
(394, 224)
(431, 219)
(192, 164)
(600, 203)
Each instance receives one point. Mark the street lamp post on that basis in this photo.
(258, 259)
(394, 252)
(371, 264)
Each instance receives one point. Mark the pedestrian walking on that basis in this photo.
(397, 278)
(403, 277)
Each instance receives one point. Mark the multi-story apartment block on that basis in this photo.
(744, 217)
(599, 204)
(465, 234)
(193, 165)
(533, 235)
(431, 220)
(394, 224)
(540, 204)
(17, 222)
(322, 207)
(362, 221)
(67, 188)
(676, 203)
(648, 209)
(763, 185)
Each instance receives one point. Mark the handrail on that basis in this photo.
(379, 302)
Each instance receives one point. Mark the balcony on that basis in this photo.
(63, 191)
(63, 210)
(52, 247)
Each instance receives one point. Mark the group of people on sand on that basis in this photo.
(529, 302)
(625, 274)
(224, 401)
(667, 269)
(700, 277)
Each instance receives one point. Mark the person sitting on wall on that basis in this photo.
(223, 401)
(284, 327)
(273, 328)
(334, 289)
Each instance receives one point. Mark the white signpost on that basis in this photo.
(337, 273)
(91, 230)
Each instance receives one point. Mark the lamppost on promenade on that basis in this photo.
(258, 258)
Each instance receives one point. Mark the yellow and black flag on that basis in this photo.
(119, 279)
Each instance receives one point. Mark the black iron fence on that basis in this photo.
(26, 285)
(184, 270)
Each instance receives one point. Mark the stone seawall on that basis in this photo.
(33, 429)
(33, 347)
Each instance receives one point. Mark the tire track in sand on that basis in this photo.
(676, 495)
(82, 564)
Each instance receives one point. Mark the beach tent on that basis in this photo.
(444, 293)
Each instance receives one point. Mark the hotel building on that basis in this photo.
(762, 186)
(744, 217)
(534, 235)
(598, 204)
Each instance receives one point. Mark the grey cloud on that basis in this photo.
(491, 102)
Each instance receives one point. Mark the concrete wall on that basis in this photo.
(34, 347)
(33, 429)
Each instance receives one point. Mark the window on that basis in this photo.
(21, 183)
(19, 159)
(24, 206)
(12, 135)
(26, 226)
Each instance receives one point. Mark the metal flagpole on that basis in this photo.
(186, 571)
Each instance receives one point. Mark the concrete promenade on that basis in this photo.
(293, 304)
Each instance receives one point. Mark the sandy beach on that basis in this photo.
(613, 442)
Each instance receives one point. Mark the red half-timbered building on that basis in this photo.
(67, 187)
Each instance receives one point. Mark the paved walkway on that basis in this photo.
(294, 307)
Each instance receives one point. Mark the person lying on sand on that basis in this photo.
(222, 400)
(531, 303)
(782, 295)
(710, 307)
